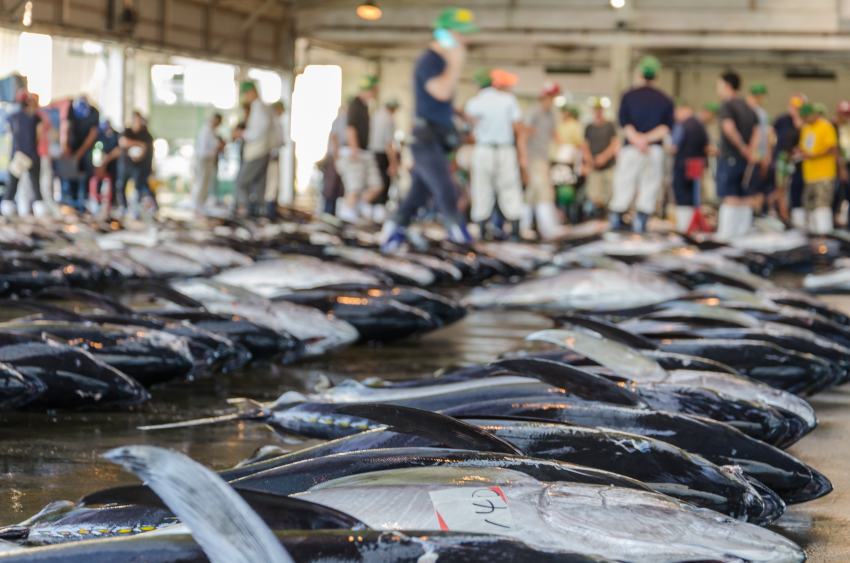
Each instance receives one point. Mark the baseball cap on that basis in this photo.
(246, 86)
(482, 78)
(368, 82)
(844, 107)
(550, 89)
(758, 89)
(503, 79)
(649, 66)
(456, 19)
(820, 108)
(713, 107)
(807, 109)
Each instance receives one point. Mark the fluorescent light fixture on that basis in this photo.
(27, 18)
(369, 11)
(617, 4)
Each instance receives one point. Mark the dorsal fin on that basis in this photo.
(575, 381)
(222, 523)
(441, 428)
(610, 331)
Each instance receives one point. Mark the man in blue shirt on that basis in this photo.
(646, 116)
(435, 80)
(25, 126)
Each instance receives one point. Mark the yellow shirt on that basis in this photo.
(570, 132)
(817, 138)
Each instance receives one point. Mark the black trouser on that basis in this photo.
(383, 162)
(431, 178)
(35, 179)
(140, 176)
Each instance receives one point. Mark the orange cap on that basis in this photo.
(503, 79)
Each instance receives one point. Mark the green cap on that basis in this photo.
(247, 86)
(713, 107)
(649, 66)
(482, 78)
(758, 89)
(368, 82)
(456, 19)
(807, 109)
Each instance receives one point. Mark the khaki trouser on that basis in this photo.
(818, 194)
(539, 188)
(637, 179)
(600, 186)
(359, 173)
(205, 174)
(495, 175)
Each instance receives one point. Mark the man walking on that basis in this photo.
(435, 79)
(646, 116)
(207, 149)
(738, 159)
(357, 164)
(600, 156)
(251, 180)
(540, 135)
(818, 151)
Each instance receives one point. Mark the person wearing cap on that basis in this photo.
(818, 151)
(277, 141)
(356, 164)
(256, 145)
(499, 152)
(435, 80)
(482, 78)
(107, 170)
(79, 133)
(26, 130)
(569, 130)
(207, 149)
(382, 144)
(789, 176)
(136, 163)
(600, 147)
(539, 137)
(690, 143)
(763, 177)
(738, 159)
(646, 116)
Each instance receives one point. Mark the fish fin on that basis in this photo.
(127, 494)
(222, 523)
(199, 421)
(86, 296)
(609, 330)
(575, 381)
(441, 428)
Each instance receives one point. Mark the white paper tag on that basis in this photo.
(473, 509)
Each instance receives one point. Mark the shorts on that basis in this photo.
(539, 188)
(600, 186)
(818, 194)
(359, 173)
(731, 177)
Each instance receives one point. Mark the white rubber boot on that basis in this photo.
(8, 208)
(684, 215)
(23, 206)
(725, 223)
(347, 213)
(526, 220)
(743, 220)
(822, 219)
(40, 209)
(547, 220)
(798, 218)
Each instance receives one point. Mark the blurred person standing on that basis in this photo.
(540, 135)
(278, 141)
(136, 164)
(842, 125)
(435, 80)
(646, 116)
(207, 149)
(738, 159)
(499, 154)
(382, 145)
(256, 137)
(332, 186)
(357, 164)
(818, 151)
(25, 126)
(79, 134)
(600, 148)
(691, 143)
(107, 170)
(763, 177)
(788, 192)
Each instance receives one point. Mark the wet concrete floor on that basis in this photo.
(45, 457)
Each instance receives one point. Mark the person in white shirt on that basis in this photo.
(382, 145)
(278, 140)
(257, 136)
(207, 148)
(497, 158)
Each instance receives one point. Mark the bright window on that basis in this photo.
(315, 102)
(35, 61)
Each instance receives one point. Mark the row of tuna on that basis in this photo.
(649, 423)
